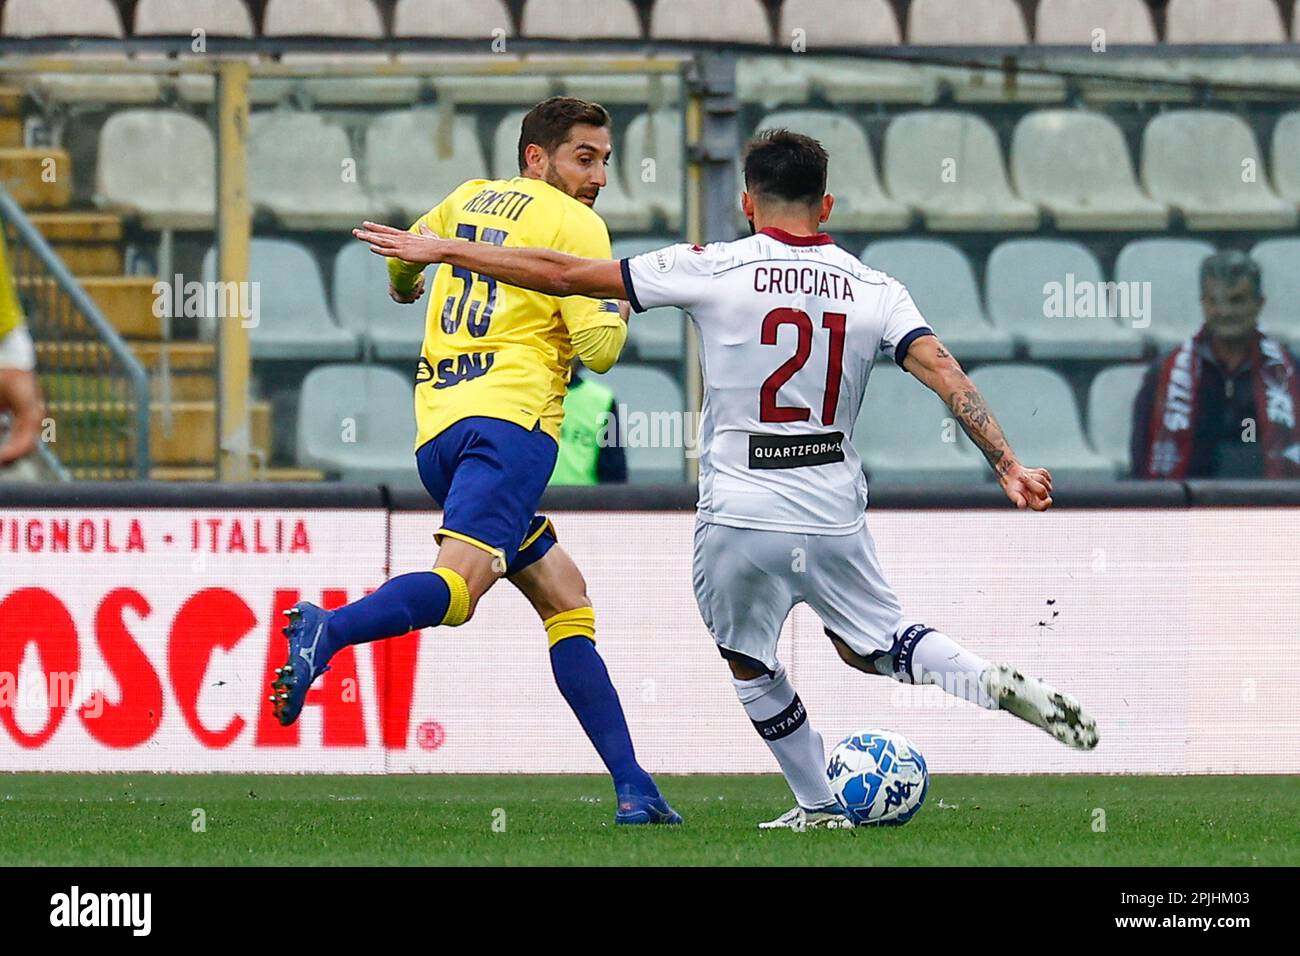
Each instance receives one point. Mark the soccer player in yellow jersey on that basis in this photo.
(489, 399)
(20, 393)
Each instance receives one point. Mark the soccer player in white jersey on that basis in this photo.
(789, 327)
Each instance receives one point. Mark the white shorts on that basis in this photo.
(17, 350)
(747, 581)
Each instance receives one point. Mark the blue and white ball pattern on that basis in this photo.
(878, 777)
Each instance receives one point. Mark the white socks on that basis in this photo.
(780, 719)
(928, 656)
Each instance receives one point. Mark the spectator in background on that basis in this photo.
(1223, 404)
(20, 393)
(589, 450)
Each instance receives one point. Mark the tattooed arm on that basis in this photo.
(930, 362)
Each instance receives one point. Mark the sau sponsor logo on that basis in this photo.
(452, 371)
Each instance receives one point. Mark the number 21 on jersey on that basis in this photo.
(833, 322)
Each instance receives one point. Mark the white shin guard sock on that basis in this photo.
(927, 656)
(779, 716)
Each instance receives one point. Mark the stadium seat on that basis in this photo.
(180, 18)
(159, 166)
(217, 18)
(1196, 161)
(618, 20)
(979, 23)
(345, 19)
(905, 433)
(948, 165)
(942, 283)
(1110, 412)
(966, 23)
(1279, 266)
(656, 185)
(652, 413)
(359, 421)
(577, 20)
(1286, 157)
(720, 21)
(414, 159)
(452, 18)
(456, 19)
(1017, 280)
(1173, 267)
(79, 18)
(1123, 22)
(1072, 22)
(818, 24)
(656, 334)
(1038, 413)
(294, 321)
(358, 19)
(302, 169)
(1075, 165)
(860, 204)
(614, 205)
(388, 329)
(67, 18)
(1224, 21)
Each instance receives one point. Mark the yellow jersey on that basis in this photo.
(492, 349)
(11, 312)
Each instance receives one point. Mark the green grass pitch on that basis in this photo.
(147, 819)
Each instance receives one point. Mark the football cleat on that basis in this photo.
(306, 626)
(1041, 705)
(636, 809)
(799, 819)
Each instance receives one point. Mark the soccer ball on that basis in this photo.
(878, 777)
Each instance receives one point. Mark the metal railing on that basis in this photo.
(96, 390)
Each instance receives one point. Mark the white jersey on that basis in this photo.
(789, 328)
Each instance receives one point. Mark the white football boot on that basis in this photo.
(1041, 705)
(799, 819)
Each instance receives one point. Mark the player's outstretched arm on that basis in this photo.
(930, 362)
(541, 270)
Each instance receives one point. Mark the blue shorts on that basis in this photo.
(489, 474)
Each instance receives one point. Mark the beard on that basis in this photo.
(587, 198)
